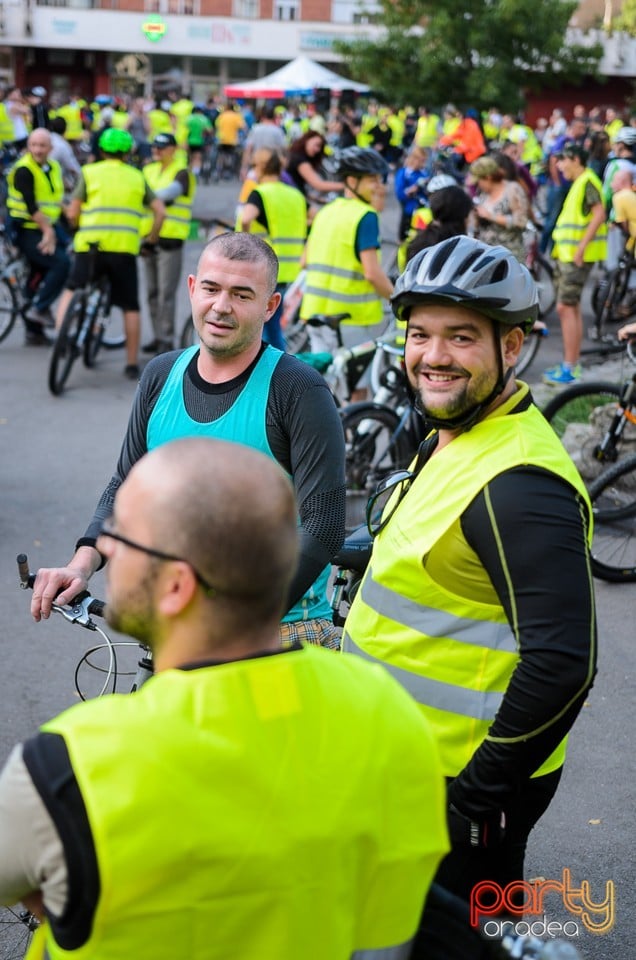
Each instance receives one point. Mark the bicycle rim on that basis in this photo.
(542, 274)
(608, 299)
(113, 330)
(614, 504)
(66, 348)
(8, 309)
(580, 416)
(16, 932)
(373, 449)
(94, 327)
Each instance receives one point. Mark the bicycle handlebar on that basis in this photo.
(81, 607)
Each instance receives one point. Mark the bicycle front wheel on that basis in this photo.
(613, 497)
(66, 348)
(9, 309)
(581, 416)
(374, 448)
(542, 273)
(17, 926)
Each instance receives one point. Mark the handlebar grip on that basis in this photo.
(98, 607)
(26, 579)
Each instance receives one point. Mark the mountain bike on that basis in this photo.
(541, 269)
(19, 281)
(609, 295)
(596, 420)
(87, 326)
(613, 496)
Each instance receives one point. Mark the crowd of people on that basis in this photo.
(277, 790)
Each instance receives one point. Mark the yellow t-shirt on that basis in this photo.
(228, 125)
(624, 203)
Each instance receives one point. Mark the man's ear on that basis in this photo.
(512, 342)
(176, 587)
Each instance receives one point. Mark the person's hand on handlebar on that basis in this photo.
(61, 584)
(629, 330)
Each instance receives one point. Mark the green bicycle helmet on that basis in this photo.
(115, 141)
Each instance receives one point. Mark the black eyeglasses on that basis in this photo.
(105, 531)
(395, 487)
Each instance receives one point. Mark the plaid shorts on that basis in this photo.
(569, 281)
(319, 631)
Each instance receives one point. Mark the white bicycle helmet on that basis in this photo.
(439, 182)
(626, 135)
(466, 271)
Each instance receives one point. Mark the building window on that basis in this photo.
(246, 9)
(287, 10)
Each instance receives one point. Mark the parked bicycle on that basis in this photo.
(609, 298)
(613, 496)
(19, 282)
(596, 420)
(88, 325)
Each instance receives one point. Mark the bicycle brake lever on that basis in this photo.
(78, 611)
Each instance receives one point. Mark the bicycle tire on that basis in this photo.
(543, 273)
(528, 352)
(9, 308)
(613, 497)
(16, 932)
(580, 415)
(611, 291)
(188, 336)
(374, 448)
(66, 350)
(97, 307)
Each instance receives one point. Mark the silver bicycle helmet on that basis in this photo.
(439, 182)
(466, 271)
(360, 162)
(626, 135)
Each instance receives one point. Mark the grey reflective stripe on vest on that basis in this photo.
(337, 271)
(436, 623)
(123, 211)
(370, 297)
(385, 953)
(435, 693)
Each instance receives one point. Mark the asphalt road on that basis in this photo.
(56, 455)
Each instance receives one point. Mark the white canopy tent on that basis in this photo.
(299, 78)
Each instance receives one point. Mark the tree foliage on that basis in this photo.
(472, 52)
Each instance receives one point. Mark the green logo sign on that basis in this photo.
(154, 28)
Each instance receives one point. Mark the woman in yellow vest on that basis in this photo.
(478, 597)
(278, 212)
(344, 272)
(580, 240)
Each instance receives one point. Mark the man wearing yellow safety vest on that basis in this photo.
(34, 205)
(108, 207)
(342, 258)
(478, 596)
(247, 802)
(277, 212)
(169, 179)
(580, 240)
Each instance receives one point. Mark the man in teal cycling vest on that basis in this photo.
(235, 387)
(248, 802)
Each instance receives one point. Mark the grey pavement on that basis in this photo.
(56, 455)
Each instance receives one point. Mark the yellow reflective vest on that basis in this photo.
(335, 280)
(112, 212)
(427, 130)
(232, 818)
(286, 212)
(176, 225)
(572, 223)
(72, 113)
(7, 132)
(454, 655)
(49, 192)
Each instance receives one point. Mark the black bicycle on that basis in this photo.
(88, 325)
(609, 299)
(596, 421)
(613, 496)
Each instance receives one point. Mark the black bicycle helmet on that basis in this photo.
(466, 271)
(360, 162)
(113, 140)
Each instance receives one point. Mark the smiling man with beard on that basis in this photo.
(478, 597)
